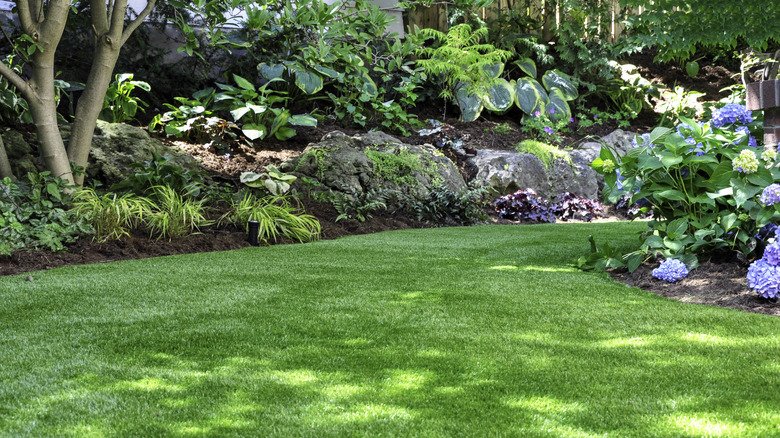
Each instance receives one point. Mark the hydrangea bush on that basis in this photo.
(671, 270)
(709, 187)
(764, 274)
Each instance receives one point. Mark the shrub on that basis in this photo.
(524, 205)
(446, 206)
(703, 183)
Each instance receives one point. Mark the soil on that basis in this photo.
(716, 284)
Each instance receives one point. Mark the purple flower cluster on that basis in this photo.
(771, 195)
(746, 131)
(730, 114)
(764, 274)
(671, 270)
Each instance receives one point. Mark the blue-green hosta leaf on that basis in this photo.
(309, 82)
(555, 79)
(302, 120)
(493, 71)
(270, 71)
(500, 97)
(243, 83)
(559, 104)
(530, 95)
(251, 179)
(254, 131)
(470, 104)
(527, 65)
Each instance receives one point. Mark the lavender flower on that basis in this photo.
(537, 114)
(552, 111)
(671, 270)
(771, 195)
(730, 114)
(548, 130)
(764, 278)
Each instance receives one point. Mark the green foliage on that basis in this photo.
(174, 216)
(195, 119)
(678, 103)
(277, 216)
(273, 180)
(118, 105)
(398, 167)
(360, 206)
(13, 107)
(545, 127)
(629, 93)
(678, 27)
(36, 213)
(594, 117)
(468, 67)
(704, 198)
(159, 171)
(546, 153)
(444, 206)
(550, 99)
(111, 215)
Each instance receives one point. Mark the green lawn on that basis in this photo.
(480, 331)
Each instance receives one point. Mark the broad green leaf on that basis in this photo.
(669, 160)
(470, 104)
(527, 65)
(239, 112)
(530, 96)
(677, 228)
(649, 162)
(257, 109)
(555, 79)
(743, 192)
(270, 71)
(658, 133)
(254, 131)
(493, 71)
(308, 82)
(285, 132)
(654, 242)
(129, 107)
(329, 72)
(671, 195)
(369, 87)
(251, 179)
(558, 103)
(243, 83)
(763, 177)
(302, 120)
(500, 97)
(728, 221)
(142, 85)
(674, 245)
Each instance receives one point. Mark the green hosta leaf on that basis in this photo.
(243, 83)
(254, 131)
(308, 82)
(329, 72)
(559, 104)
(129, 107)
(285, 132)
(302, 120)
(251, 179)
(239, 112)
(470, 104)
(493, 71)
(500, 97)
(530, 96)
(527, 65)
(270, 71)
(142, 85)
(555, 79)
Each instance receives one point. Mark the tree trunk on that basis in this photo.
(5, 165)
(90, 104)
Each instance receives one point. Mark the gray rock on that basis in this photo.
(115, 146)
(21, 155)
(355, 165)
(507, 172)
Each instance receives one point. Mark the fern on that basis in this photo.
(461, 58)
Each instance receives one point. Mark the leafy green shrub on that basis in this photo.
(273, 180)
(118, 105)
(702, 182)
(278, 217)
(445, 206)
(541, 127)
(360, 206)
(36, 213)
(173, 216)
(111, 215)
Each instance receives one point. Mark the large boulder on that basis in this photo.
(374, 161)
(507, 171)
(21, 155)
(115, 146)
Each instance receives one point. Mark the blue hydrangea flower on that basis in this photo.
(764, 278)
(644, 140)
(745, 131)
(772, 254)
(684, 129)
(732, 113)
(771, 195)
(671, 270)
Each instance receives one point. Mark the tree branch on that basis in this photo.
(117, 20)
(25, 17)
(133, 25)
(17, 81)
(99, 12)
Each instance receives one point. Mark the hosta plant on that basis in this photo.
(703, 183)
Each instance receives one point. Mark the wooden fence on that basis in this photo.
(545, 12)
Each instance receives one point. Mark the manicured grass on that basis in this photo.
(482, 331)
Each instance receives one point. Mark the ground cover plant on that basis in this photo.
(442, 332)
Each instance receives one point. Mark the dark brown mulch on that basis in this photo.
(712, 284)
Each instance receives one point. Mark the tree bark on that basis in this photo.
(5, 165)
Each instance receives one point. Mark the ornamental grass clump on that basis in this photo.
(671, 270)
(710, 190)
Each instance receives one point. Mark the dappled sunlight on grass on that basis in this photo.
(374, 335)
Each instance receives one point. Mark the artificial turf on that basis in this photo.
(476, 331)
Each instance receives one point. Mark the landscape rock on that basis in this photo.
(115, 146)
(21, 155)
(374, 161)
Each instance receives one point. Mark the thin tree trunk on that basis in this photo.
(5, 165)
